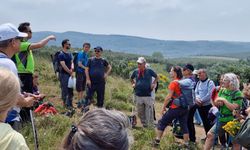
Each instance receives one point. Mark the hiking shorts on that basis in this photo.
(217, 128)
(178, 113)
(80, 81)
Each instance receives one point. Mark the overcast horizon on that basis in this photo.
(188, 20)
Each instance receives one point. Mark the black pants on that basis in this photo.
(27, 86)
(203, 111)
(99, 88)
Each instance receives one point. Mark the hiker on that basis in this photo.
(9, 95)
(203, 92)
(141, 80)
(229, 99)
(174, 111)
(66, 62)
(99, 129)
(25, 62)
(97, 71)
(9, 45)
(82, 60)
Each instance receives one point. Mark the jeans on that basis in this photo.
(99, 88)
(66, 93)
(203, 111)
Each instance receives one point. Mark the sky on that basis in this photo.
(189, 20)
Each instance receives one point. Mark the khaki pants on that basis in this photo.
(144, 107)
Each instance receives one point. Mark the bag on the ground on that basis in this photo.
(243, 136)
(187, 96)
(72, 82)
(177, 129)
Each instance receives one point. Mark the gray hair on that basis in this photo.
(100, 129)
(234, 83)
(10, 89)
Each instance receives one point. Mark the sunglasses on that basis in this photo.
(97, 51)
(18, 38)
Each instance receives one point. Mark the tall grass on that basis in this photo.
(118, 95)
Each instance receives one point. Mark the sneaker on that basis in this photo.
(156, 143)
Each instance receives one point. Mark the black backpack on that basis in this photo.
(75, 61)
(56, 64)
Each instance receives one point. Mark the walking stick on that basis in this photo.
(34, 130)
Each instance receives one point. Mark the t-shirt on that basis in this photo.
(7, 63)
(234, 97)
(67, 58)
(143, 83)
(174, 86)
(97, 67)
(83, 57)
(10, 139)
(24, 59)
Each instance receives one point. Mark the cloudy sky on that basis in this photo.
(160, 19)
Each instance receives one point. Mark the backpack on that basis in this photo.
(56, 64)
(187, 97)
(243, 136)
(75, 61)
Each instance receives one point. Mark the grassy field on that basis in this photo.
(118, 95)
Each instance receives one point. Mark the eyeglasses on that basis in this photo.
(68, 44)
(97, 51)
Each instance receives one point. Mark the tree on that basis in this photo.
(158, 55)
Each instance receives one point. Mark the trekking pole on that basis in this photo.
(34, 130)
(216, 128)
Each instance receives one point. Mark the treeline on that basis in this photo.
(123, 63)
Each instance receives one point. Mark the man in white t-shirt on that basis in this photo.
(9, 45)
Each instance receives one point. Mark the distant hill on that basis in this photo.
(146, 46)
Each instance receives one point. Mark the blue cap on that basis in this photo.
(98, 48)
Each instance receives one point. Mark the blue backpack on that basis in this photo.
(187, 97)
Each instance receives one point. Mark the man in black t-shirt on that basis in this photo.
(66, 62)
(96, 72)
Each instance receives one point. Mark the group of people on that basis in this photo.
(207, 98)
(19, 90)
(91, 73)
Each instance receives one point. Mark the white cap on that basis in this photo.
(9, 31)
(195, 72)
(141, 60)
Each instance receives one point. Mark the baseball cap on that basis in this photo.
(98, 48)
(9, 31)
(141, 60)
(189, 66)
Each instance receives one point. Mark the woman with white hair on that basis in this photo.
(229, 99)
(9, 93)
(99, 129)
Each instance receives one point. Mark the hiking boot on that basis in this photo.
(156, 143)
